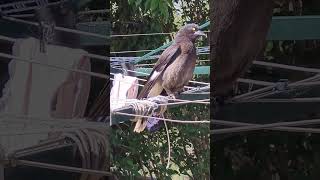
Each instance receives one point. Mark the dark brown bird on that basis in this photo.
(174, 69)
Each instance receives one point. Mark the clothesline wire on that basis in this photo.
(281, 128)
(15, 9)
(95, 56)
(144, 50)
(101, 11)
(195, 82)
(262, 92)
(56, 67)
(60, 167)
(146, 34)
(46, 120)
(284, 66)
(35, 131)
(126, 82)
(95, 11)
(264, 126)
(291, 86)
(182, 101)
(190, 87)
(57, 28)
(152, 64)
(257, 82)
(291, 100)
(163, 119)
(175, 101)
(16, 58)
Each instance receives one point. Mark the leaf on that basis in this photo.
(154, 4)
(138, 3)
(147, 4)
(130, 2)
(164, 10)
(170, 3)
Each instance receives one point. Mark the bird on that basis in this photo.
(174, 68)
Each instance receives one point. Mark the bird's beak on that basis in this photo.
(200, 33)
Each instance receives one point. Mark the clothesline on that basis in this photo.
(265, 126)
(267, 91)
(14, 118)
(152, 64)
(175, 101)
(277, 128)
(200, 50)
(147, 34)
(16, 58)
(95, 56)
(89, 12)
(291, 100)
(58, 28)
(22, 5)
(256, 82)
(56, 67)
(60, 167)
(195, 82)
(163, 119)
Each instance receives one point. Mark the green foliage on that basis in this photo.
(147, 153)
(141, 16)
(195, 11)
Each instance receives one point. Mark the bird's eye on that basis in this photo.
(193, 29)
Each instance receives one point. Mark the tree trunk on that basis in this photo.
(238, 35)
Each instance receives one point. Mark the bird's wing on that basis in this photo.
(165, 59)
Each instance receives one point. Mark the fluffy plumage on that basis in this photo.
(174, 68)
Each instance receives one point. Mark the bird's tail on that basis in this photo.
(141, 124)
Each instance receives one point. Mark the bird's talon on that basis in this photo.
(172, 96)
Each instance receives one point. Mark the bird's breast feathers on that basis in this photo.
(179, 73)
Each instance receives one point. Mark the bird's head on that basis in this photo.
(191, 31)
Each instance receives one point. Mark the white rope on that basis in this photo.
(197, 89)
(169, 146)
(163, 119)
(122, 81)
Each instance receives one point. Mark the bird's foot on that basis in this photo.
(172, 96)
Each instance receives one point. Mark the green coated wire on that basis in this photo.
(144, 57)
